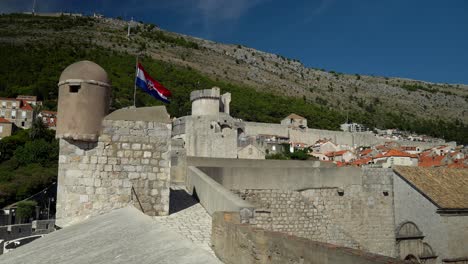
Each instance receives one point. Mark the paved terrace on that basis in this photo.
(188, 218)
(121, 236)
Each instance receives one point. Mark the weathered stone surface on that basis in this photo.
(121, 236)
(115, 171)
(239, 243)
(356, 216)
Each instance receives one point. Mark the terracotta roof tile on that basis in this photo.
(3, 120)
(26, 106)
(430, 161)
(294, 116)
(395, 153)
(446, 188)
(366, 151)
(458, 164)
(363, 161)
(335, 153)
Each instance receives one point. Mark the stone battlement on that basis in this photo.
(213, 93)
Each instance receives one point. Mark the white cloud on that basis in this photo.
(212, 13)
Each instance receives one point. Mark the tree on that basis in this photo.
(25, 209)
(38, 129)
(37, 151)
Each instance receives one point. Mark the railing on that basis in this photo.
(138, 200)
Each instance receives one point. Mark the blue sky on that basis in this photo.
(419, 39)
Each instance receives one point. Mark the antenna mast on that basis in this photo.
(128, 32)
(34, 7)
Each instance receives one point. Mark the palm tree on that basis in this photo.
(38, 128)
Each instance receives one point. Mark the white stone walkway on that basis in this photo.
(192, 222)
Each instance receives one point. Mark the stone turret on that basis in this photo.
(84, 93)
(209, 102)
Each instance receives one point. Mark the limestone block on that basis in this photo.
(136, 146)
(133, 175)
(151, 176)
(97, 182)
(83, 198)
(125, 146)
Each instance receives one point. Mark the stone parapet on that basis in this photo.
(242, 243)
(357, 214)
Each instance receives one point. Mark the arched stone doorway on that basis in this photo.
(410, 244)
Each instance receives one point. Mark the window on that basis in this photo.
(2, 113)
(13, 114)
(13, 105)
(23, 114)
(75, 88)
(3, 104)
(1, 129)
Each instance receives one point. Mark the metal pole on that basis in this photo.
(128, 31)
(134, 88)
(48, 208)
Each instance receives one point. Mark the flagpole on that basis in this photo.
(136, 76)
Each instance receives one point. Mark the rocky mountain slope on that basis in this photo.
(265, 72)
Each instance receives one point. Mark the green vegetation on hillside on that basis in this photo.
(27, 165)
(37, 67)
(28, 162)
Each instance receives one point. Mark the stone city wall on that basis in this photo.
(237, 243)
(130, 163)
(210, 136)
(310, 136)
(358, 215)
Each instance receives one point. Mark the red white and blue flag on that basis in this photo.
(150, 85)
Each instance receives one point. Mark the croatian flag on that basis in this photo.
(150, 85)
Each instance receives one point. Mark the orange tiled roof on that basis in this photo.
(459, 164)
(446, 188)
(366, 151)
(294, 116)
(342, 163)
(26, 106)
(430, 161)
(363, 161)
(335, 153)
(3, 120)
(395, 153)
